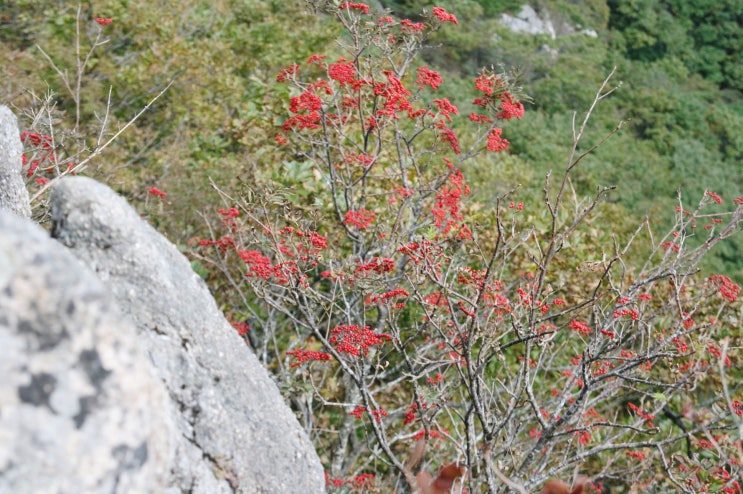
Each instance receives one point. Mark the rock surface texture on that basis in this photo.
(540, 21)
(234, 432)
(13, 193)
(529, 21)
(80, 408)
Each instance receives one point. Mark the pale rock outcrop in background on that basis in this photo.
(532, 21)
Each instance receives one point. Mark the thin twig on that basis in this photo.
(98, 150)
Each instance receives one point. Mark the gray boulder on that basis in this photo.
(235, 433)
(80, 408)
(529, 21)
(13, 193)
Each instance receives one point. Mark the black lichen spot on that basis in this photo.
(91, 363)
(130, 458)
(46, 339)
(87, 403)
(39, 391)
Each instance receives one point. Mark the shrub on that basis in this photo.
(498, 354)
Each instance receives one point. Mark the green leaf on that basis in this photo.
(660, 397)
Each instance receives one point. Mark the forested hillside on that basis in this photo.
(679, 64)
